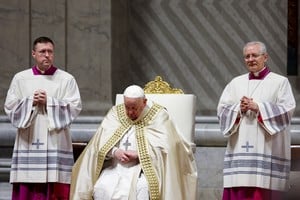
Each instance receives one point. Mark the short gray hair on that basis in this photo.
(263, 48)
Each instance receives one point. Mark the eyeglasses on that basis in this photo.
(255, 56)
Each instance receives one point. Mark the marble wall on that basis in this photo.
(108, 44)
(194, 45)
(81, 31)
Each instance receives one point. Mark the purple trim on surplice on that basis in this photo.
(49, 71)
(261, 75)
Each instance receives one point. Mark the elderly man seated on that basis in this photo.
(136, 153)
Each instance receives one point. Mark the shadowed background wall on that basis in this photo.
(194, 45)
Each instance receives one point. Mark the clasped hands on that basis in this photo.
(248, 104)
(39, 97)
(126, 156)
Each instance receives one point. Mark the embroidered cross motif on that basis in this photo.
(37, 143)
(247, 146)
(127, 144)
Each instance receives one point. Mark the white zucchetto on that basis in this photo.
(134, 91)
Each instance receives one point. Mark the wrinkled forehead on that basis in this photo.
(133, 101)
(254, 48)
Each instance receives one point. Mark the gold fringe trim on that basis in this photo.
(144, 157)
(115, 138)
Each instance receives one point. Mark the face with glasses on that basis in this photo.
(43, 54)
(254, 58)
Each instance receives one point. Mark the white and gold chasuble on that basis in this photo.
(166, 161)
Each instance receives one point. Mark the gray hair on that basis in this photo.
(263, 48)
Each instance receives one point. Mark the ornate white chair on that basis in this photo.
(181, 107)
